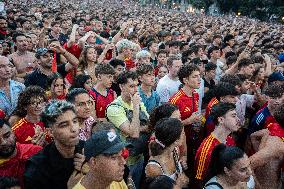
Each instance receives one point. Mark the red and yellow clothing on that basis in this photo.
(101, 102)
(25, 130)
(212, 102)
(203, 156)
(186, 105)
(15, 166)
(129, 63)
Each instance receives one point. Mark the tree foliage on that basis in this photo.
(261, 9)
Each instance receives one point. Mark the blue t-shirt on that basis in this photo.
(258, 120)
(9, 103)
(150, 102)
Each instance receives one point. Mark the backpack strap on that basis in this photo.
(214, 183)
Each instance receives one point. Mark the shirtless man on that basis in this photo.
(22, 58)
(269, 159)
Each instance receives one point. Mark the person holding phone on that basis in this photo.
(52, 167)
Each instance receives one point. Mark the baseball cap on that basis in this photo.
(41, 52)
(275, 76)
(103, 142)
(175, 33)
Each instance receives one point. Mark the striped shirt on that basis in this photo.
(203, 156)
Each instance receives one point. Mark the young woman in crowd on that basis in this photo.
(87, 62)
(164, 159)
(57, 89)
(229, 168)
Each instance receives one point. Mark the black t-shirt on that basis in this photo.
(48, 169)
(39, 79)
(209, 84)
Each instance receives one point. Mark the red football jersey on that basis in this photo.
(101, 102)
(186, 105)
(212, 102)
(25, 130)
(203, 156)
(15, 166)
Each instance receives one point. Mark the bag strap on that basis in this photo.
(214, 183)
(154, 162)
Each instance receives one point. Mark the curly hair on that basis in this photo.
(101, 69)
(25, 99)
(144, 69)
(186, 70)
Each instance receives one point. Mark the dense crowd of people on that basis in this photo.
(114, 95)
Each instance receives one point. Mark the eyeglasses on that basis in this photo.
(35, 104)
(87, 103)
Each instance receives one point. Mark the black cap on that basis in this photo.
(41, 52)
(103, 142)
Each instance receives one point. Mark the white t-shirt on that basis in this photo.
(219, 69)
(244, 102)
(200, 92)
(167, 88)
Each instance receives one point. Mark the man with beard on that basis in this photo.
(13, 156)
(22, 58)
(45, 58)
(52, 167)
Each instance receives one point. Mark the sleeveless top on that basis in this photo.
(177, 164)
(172, 176)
